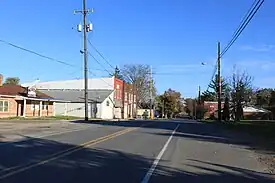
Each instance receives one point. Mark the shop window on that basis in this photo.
(4, 106)
(45, 105)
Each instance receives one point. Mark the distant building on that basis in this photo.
(19, 101)
(212, 108)
(249, 112)
(100, 103)
(110, 90)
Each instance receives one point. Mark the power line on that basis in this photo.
(246, 20)
(47, 57)
(101, 55)
(101, 79)
(99, 63)
(36, 53)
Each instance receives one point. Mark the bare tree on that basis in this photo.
(139, 76)
(241, 92)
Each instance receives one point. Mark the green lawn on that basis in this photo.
(265, 129)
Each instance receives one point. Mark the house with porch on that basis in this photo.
(16, 100)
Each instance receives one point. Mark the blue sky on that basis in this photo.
(172, 36)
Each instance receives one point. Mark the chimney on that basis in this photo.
(1, 79)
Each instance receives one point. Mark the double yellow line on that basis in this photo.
(67, 152)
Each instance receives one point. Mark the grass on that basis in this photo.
(265, 129)
(259, 128)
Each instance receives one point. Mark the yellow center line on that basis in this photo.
(70, 151)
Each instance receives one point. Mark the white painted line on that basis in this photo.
(156, 161)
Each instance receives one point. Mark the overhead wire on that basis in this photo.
(246, 20)
(47, 57)
(100, 54)
(243, 24)
(99, 63)
(36, 53)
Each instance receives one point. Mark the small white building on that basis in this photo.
(101, 104)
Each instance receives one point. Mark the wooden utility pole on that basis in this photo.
(199, 95)
(194, 109)
(163, 109)
(151, 94)
(86, 28)
(220, 84)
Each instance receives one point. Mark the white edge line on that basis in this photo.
(156, 161)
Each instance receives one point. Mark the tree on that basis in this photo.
(208, 96)
(226, 109)
(241, 93)
(214, 85)
(170, 103)
(139, 76)
(117, 74)
(12, 80)
(272, 103)
(189, 106)
(262, 97)
(200, 111)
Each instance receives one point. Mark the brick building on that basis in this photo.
(124, 97)
(212, 108)
(116, 109)
(16, 100)
(118, 98)
(129, 101)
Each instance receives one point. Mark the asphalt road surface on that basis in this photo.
(134, 151)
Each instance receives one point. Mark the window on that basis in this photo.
(117, 87)
(45, 105)
(107, 103)
(4, 106)
(126, 96)
(34, 105)
(115, 94)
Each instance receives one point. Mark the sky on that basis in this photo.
(174, 37)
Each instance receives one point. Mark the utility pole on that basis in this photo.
(86, 28)
(163, 109)
(199, 95)
(151, 92)
(220, 84)
(194, 109)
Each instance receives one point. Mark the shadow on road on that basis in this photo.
(217, 133)
(102, 165)
(200, 131)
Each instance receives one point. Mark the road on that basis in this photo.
(175, 151)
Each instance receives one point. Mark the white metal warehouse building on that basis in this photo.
(100, 103)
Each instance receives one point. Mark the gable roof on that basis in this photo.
(18, 90)
(97, 96)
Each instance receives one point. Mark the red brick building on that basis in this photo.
(129, 101)
(124, 99)
(212, 108)
(16, 100)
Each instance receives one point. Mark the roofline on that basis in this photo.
(13, 96)
(47, 99)
(67, 89)
(28, 98)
